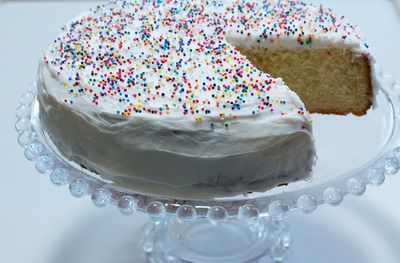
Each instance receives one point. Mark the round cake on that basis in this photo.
(186, 98)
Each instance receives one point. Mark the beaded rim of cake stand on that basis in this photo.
(102, 194)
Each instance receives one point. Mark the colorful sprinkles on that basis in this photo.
(174, 57)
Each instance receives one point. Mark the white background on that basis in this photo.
(41, 223)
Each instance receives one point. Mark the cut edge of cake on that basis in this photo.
(328, 81)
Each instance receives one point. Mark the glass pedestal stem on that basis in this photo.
(260, 240)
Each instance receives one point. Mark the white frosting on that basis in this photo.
(171, 157)
(203, 121)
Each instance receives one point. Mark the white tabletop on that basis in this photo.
(40, 223)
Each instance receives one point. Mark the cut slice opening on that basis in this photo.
(328, 81)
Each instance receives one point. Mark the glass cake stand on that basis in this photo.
(353, 152)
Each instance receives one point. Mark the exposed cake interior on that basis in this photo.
(330, 81)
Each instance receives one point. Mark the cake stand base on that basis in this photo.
(260, 240)
(236, 229)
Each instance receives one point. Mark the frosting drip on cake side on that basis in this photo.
(156, 91)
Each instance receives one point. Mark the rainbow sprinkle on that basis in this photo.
(176, 57)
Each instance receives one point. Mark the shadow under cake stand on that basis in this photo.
(353, 152)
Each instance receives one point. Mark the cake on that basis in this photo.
(200, 99)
